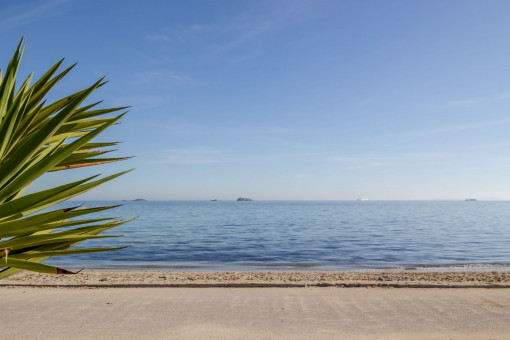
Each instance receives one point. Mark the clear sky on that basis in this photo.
(279, 99)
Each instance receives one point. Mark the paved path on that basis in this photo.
(254, 313)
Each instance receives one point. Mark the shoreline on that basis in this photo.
(292, 267)
(257, 279)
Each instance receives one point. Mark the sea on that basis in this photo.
(301, 236)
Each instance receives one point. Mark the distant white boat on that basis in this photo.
(362, 199)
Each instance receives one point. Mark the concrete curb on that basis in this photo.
(261, 285)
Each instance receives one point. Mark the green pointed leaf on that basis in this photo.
(30, 147)
(33, 266)
(49, 161)
(36, 254)
(37, 240)
(23, 206)
(13, 226)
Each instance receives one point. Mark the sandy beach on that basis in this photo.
(376, 278)
(256, 305)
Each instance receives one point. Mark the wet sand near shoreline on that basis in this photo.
(103, 278)
(255, 313)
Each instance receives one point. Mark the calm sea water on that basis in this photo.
(265, 235)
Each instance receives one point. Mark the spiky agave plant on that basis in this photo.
(36, 138)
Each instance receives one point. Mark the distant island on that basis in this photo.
(244, 199)
(140, 200)
(470, 199)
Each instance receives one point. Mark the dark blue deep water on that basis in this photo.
(266, 235)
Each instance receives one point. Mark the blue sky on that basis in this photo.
(279, 99)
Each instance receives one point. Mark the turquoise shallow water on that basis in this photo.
(304, 235)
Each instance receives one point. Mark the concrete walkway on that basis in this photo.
(254, 313)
